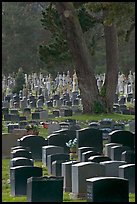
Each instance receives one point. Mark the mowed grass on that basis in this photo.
(6, 197)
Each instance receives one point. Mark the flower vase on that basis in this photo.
(73, 154)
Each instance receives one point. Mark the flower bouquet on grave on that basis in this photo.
(72, 148)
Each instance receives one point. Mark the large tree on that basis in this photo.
(78, 47)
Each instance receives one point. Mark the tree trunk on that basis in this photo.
(111, 79)
(82, 59)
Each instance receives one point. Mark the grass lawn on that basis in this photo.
(6, 186)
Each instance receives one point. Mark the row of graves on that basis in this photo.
(63, 94)
(100, 173)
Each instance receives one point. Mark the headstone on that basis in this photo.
(49, 104)
(21, 153)
(107, 148)
(122, 100)
(50, 149)
(7, 117)
(22, 118)
(56, 113)
(57, 167)
(90, 137)
(14, 118)
(23, 124)
(80, 172)
(126, 138)
(19, 147)
(81, 150)
(27, 111)
(60, 137)
(45, 189)
(127, 171)
(112, 167)
(128, 156)
(67, 112)
(64, 125)
(11, 127)
(94, 125)
(116, 152)
(23, 104)
(5, 110)
(106, 123)
(39, 103)
(52, 127)
(35, 144)
(19, 176)
(14, 111)
(43, 115)
(119, 126)
(36, 116)
(54, 157)
(21, 161)
(67, 174)
(86, 155)
(101, 189)
(98, 158)
(132, 126)
(105, 132)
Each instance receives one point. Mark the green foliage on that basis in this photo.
(19, 81)
(98, 107)
(57, 52)
(102, 91)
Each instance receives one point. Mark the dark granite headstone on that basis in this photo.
(94, 125)
(19, 176)
(27, 111)
(55, 157)
(98, 158)
(35, 144)
(45, 189)
(56, 97)
(14, 118)
(19, 147)
(126, 138)
(81, 150)
(127, 171)
(22, 118)
(35, 116)
(116, 152)
(21, 153)
(23, 124)
(107, 189)
(49, 104)
(67, 112)
(5, 110)
(21, 161)
(86, 155)
(60, 137)
(7, 117)
(90, 137)
(11, 127)
(128, 156)
(50, 149)
(14, 111)
(57, 167)
(56, 113)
